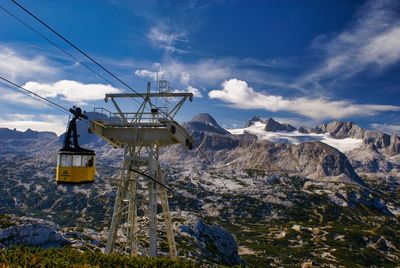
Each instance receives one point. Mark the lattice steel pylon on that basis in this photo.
(141, 135)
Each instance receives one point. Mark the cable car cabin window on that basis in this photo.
(66, 160)
(87, 161)
(77, 162)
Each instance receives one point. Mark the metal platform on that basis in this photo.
(164, 132)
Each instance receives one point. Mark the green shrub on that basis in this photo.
(69, 257)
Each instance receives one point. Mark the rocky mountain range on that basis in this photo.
(283, 202)
(377, 155)
(339, 130)
(311, 159)
(271, 124)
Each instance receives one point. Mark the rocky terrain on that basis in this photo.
(278, 203)
(196, 239)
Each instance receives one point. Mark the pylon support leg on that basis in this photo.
(118, 205)
(132, 216)
(112, 235)
(167, 216)
(153, 170)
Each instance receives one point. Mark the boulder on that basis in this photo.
(214, 242)
(38, 235)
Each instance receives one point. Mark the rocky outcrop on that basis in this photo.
(394, 147)
(273, 126)
(214, 242)
(327, 160)
(39, 235)
(341, 130)
(378, 139)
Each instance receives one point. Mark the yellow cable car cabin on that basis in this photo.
(75, 165)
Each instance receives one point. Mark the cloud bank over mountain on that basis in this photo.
(242, 96)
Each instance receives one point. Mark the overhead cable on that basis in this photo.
(54, 44)
(83, 53)
(35, 94)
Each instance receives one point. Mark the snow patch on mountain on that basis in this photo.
(296, 137)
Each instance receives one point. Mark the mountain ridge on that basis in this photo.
(7, 133)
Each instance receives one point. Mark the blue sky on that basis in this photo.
(302, 62)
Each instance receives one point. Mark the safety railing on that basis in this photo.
(155, 116)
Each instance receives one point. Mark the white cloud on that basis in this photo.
(150, 74)
(72, 91)
(372, 40)
(22, 99)
(387, 128)
(166, 41)
(41, 122)
(159, 36)
(14, 65)
(184, 78)
(383, 49)
(196, 92)
(210, 72)
(205, 71)
(241, 95)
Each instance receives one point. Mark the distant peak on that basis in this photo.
(270, 119)
(204, 117)
(205, 122)
(253, 120)
(272, 125)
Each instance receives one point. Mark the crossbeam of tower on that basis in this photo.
(141, 134)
